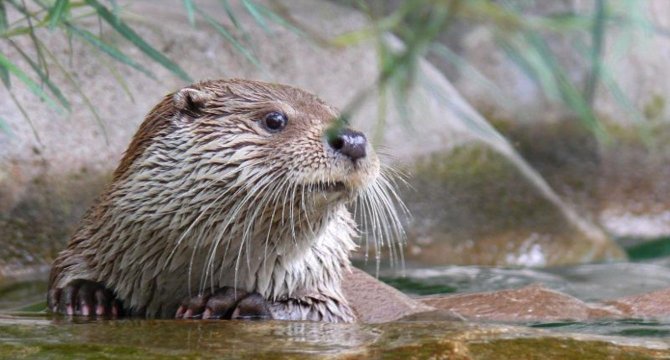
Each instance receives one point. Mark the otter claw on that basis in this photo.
(252, 307)
(225, 303)
(84, 298)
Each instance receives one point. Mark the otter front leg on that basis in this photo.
(84, 298)
(225, 303)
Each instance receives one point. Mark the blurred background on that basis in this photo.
(533, 134)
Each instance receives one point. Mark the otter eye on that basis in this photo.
(275, 121)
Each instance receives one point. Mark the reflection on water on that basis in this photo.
(593, 282)
(26, 330)
(625, 328)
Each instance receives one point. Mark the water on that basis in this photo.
(590, 283)
(26, 331)
(593, 282)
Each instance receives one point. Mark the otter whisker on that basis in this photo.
(271, 200)
(251, 193)
(222, 208)
(251, 221)
(214, 193)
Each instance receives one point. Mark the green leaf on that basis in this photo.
(226, 34)
(133, 37)
(256, 14)
(231, 14)
(4, 127)
(190, 11)
(32, 85)
(56, 12)
(4, 73)
(16, 31)
(108, 49)
(77, 88)
(278, 19)
(3, 17)
(25, 115)
(44, 77)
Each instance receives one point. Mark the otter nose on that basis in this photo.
(350, 143)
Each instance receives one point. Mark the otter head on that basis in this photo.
(282, 133)
(253, 150)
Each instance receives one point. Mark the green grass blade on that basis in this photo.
(228, 36)
(43, 77)
(4, 127)
(128, 33)
(56, 12)
(17, 31)
(279, 19)
(190, 11)
(78, 89)
(256, 14)
(571, 96)
(3, 17)
(115, 74)
(597, 39)
(108, 49)
(231, 14)
(471, 72)
(32, 85)
(4, 73)
(25, 115)
(116, 10)
(528, 62)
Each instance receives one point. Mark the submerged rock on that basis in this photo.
(536, 303)
(61, 339)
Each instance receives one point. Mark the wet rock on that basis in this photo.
(49, 178)
(528, 304)
(536, 303)
(75, 151)
(634, 190)
(374, 301)
(652, 305)
(631, 172)
(621, 185)
(59, 339)
(472, 206)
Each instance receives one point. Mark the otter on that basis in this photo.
(232, 201)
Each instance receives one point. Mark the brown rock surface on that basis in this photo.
(528, 304)
(538, 304)
(655, 304)
(374, 301)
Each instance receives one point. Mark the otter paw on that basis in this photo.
(225, 303)
(84, 298)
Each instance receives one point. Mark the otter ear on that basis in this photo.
(191, 100)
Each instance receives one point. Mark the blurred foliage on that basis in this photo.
(520, 30)
(69, 17)
(653, 249)
(418, 24)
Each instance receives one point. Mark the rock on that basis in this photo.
(47, 182)
(653, 305)
(622, 185)
(472, 206)
(529, 304)
(630, 101)
(375, 302)
(35, 337)
(536, 303)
